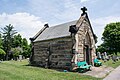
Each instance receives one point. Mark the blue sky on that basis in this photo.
(29, 16)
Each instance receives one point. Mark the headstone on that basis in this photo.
(102, 56)
(114, 58)
(105, 54)
(20, 57)
(98, 55)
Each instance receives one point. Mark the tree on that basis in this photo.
(24, 43)
(27, 51)
(17, 41)
(26, 48)
(1, 43)
(15, 52)
(2, 54)
(101, 48)
(111, 37)
(8, 33)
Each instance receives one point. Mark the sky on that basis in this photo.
(29, 16)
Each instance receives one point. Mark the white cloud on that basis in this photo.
(56, 11)
(28, 25)
(100, 23)
(71, 11)
(82, 1)
(25, 24)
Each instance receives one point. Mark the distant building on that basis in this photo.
(61, 45)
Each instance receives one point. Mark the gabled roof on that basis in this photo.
(57, 31)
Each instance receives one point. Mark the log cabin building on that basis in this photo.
(62, 46)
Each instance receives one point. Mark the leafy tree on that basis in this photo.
(8, 33)
(26, 48)
(24, 43)
(27, 52)
(2, 54)
(1, 43)
(111, 37)
(16, 52)
(17, 41)
(101, 48)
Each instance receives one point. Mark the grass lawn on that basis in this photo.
(111, 64)
(15, 70)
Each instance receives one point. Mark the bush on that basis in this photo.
(16, 52)
(2, 53)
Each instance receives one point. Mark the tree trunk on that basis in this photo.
(6, 56)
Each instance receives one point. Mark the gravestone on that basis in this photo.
(20, 57)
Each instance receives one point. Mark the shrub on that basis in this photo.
(2, 53)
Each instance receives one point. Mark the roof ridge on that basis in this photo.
(45, 26)
(63, 23)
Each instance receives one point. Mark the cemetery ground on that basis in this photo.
(104, 70)
(16, 70)
(112, 64)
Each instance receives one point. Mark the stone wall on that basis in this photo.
(85, 37)
(58, 52)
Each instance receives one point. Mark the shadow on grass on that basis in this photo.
(56, 69)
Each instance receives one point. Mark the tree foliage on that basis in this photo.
(102, 48)
(2, 53)
(17, 41)
(16, 52)
(26, 48)
(1, 43)
(111, 37)
(13, 45)
(8, 33)
(24, 43)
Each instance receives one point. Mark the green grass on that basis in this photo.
(111, 64)
(118, 54)
(15, 70)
